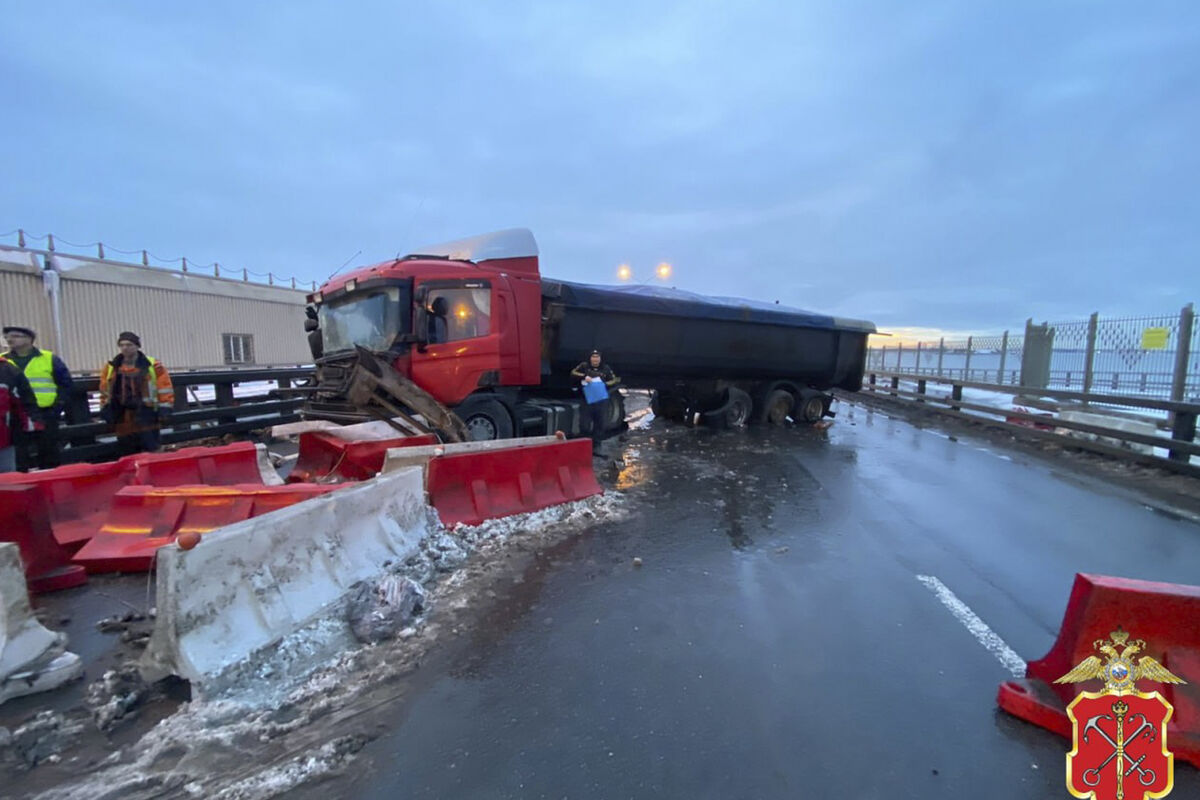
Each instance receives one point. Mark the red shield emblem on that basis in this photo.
(1120, 746)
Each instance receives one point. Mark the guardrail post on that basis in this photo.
(956, 394)
(895, 385)
(941, 352)
(181, 404)
(1003, 356)
(224, 392)
(1183, 345)
(78, 409)
(1183, 429)
(967, 368)
(921, 390)
(1089, 357)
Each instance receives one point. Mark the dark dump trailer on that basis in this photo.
(728, 357)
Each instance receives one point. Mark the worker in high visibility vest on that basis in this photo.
(136, 396)
(50, 380)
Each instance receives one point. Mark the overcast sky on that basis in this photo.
(954, 165)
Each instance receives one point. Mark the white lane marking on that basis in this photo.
(978, 628)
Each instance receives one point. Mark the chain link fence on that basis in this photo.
(1151, 356)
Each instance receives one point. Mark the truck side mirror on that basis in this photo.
(310, 324)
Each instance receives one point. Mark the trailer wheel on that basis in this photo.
(777, 407)
(812, 408)
(740, 408)
(485, 420)
(735, 412)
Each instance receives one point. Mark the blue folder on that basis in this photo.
(595, 391)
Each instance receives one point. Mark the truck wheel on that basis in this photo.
(485, 420)
(777, 407)
(616, 412)
(737, 413)
(812, 408)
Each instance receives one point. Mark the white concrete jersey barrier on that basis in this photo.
(1109, 421)
(247, 586)
(399, 458)
(374, 430)
(32, 658)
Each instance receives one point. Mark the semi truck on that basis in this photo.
(468, 340)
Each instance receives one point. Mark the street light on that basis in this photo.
(662, 272)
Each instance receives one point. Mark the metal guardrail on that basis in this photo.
(1181, 446)
(89, 440)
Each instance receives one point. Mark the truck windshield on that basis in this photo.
(371, 318)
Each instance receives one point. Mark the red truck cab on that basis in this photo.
(453, 318)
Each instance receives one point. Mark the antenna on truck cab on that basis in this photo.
(344, 263)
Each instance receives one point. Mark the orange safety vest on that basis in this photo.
(158, 391)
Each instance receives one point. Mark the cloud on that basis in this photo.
(927, 164)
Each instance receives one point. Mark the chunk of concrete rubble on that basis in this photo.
(380, 610)
(44, 737)
(116, 695)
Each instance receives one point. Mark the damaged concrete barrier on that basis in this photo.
(32, 658)
(249, 585)
(470, 482)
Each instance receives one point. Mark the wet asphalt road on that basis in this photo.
(777, 643)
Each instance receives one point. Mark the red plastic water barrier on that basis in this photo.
(47, 563)
(73, 498)
(144, 518)
(1165, 615)
(472, 487)
(227, 465)
(324, 457)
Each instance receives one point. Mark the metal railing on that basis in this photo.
(1153, 356)
(196, 415)
(1181, 447)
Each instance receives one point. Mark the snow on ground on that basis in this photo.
(201, 749)
(1006, 401)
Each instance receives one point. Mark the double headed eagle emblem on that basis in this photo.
(1119, 673)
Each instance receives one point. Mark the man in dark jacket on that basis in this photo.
(597, 379)
(15, 397)
(136, 396)
(50, 380)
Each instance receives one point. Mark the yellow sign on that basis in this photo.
(1155, 338)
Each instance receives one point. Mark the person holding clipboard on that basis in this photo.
(597, 378)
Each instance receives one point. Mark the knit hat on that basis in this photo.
(129, 336)
(20, 329)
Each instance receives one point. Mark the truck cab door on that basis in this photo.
(460, 346)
